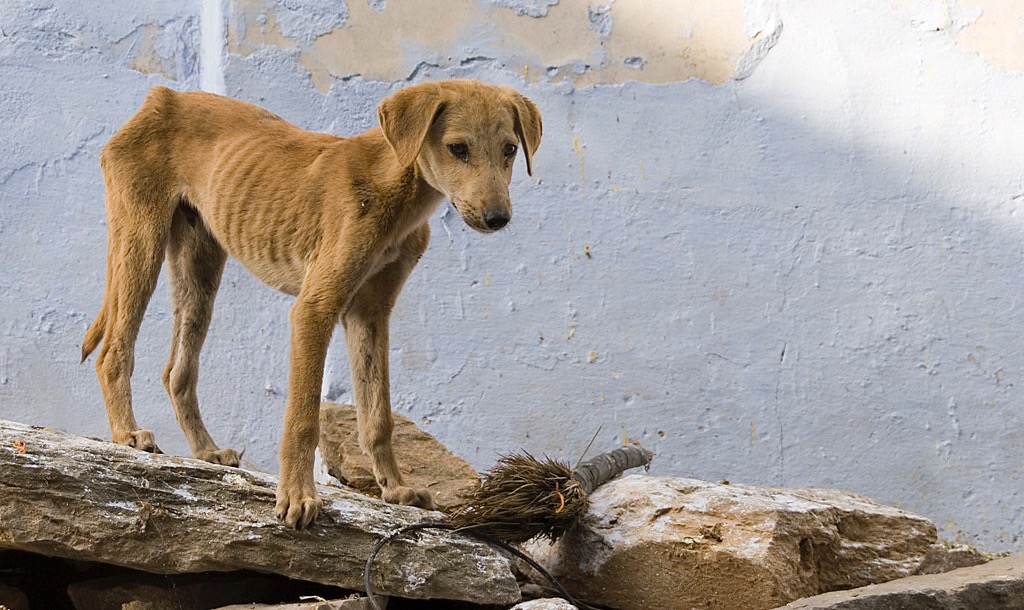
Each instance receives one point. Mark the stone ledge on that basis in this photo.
(78, 498)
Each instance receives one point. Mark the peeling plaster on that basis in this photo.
(993, 29)
(306, 20)
(252, 27)
(588, 44)
(168, 49)
(762, 41)
(149, 60)
(997, 34)
(532, 8)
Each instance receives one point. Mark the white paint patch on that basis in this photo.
(212, 38)
(123, 505)
(181, 492)
(414, 580)
(350, 512)
(320, 474)
(235, 479)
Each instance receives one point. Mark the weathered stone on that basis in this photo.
(78, 498)
(662, 544)
(545, 604)
(942, 558)
(355, 603)
(425, 463)
(996, 585)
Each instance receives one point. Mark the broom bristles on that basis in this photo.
(523, 497)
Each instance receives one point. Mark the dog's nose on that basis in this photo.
(496, 219)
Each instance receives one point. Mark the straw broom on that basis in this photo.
(522, 497)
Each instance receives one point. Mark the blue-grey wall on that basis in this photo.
(779, 242)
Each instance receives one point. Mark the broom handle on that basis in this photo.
(597, 471)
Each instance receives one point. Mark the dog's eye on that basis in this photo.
(460, 150)
(510, 150)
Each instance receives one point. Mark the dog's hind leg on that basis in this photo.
(137, 232)
(195, 263)
(366, 337)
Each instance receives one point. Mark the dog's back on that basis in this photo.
(179, 132)
(239, 167)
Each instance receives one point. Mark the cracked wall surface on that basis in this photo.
(777, 241)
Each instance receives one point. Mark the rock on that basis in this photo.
(942, 558)
(996, 585)
(79, 498)
(355, 603)
(658, 543)
(12, 598)
(545, 604)
(425, 462)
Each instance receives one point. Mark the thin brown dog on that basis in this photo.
(338, 222)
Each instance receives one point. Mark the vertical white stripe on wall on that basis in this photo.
(212, 38)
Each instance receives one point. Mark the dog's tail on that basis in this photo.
(94, 335)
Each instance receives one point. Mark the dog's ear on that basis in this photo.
(406, 116)
(528, 126)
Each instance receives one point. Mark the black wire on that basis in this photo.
(472, 534)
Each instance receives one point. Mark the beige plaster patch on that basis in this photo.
(252, 26)
(148, 60)
(675, 40)
(997, 34)
(374, 43)
(993, 29)
(654, 42)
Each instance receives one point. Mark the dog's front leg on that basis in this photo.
(312, 323)
(366, 337)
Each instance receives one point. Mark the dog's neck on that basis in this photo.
(413, 182)
(406, 192)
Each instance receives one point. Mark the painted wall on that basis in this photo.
(779, 242)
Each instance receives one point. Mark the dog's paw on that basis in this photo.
(408, 496)
(226, 457)
(143, 440)
(297, 507)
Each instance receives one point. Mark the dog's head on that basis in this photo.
(464, 136)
